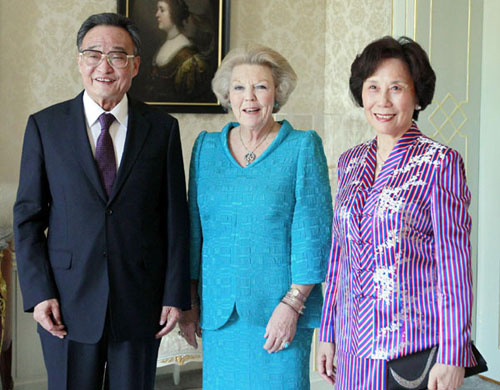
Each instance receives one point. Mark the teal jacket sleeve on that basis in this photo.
(196, 237)
(311, 226)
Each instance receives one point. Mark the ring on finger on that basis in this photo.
(286, 344)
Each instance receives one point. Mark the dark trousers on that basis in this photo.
(124, 365)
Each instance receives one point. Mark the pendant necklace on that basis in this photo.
(380, 161)
(250, 156)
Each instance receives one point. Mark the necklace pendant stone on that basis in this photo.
(249, 157)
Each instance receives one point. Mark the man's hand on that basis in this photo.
(48, 315)
(445, 377)
(189, 325)
(169, 317)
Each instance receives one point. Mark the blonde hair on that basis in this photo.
(284, 77)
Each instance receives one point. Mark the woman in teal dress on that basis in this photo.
(261, 213)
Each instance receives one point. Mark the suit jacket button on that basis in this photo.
(109, 212)
(104, 254)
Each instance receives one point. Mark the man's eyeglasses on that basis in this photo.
(117, 59)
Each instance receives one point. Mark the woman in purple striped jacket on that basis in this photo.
(399, 279)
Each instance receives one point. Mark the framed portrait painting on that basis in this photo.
(183, 43)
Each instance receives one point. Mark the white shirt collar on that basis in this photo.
(94, 110)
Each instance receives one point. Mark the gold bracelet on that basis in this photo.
(297, 305)
(293, 308)
(294, 299)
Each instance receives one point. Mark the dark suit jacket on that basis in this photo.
(128, 252)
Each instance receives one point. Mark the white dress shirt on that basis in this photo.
(117, 130)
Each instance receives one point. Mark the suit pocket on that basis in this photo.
(60, 259)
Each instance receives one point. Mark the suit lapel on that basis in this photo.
(79, 138)
(137, 131)
(398, 157)
(363, 174)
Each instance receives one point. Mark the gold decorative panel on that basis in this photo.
(450, 31)
(446, 119)
(454, 118)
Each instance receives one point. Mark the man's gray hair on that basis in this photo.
(110, 19)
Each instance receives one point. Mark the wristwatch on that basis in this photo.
(296, 293)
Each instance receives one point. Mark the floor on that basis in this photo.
(476, 383)
(191, 380)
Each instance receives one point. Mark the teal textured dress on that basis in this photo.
(254, 231)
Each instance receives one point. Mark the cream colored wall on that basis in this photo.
(38, 63)
(350, 26)
(488, 274)
(319, 37)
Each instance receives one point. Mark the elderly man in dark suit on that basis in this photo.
(101, 221)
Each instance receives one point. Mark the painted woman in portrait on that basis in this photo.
(180, 72)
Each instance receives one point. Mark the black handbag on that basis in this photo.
(412, 371)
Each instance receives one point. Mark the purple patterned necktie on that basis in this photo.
(105, 153)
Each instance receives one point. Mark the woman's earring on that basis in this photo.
(229, 106)
(418, 107)
(276, 104)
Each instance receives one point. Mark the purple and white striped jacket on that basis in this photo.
(399, 279)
